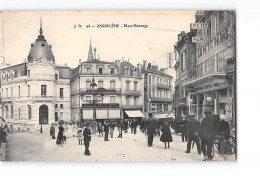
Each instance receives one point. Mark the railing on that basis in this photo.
(163, 86)
(100, 91)
(158, 99)
(133, 92)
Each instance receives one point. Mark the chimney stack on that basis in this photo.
(145, 65)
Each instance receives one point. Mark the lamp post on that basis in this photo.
(93, 86)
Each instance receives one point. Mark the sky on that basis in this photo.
(20, 28)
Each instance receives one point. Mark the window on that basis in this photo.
(56, 77)
(12, 92)
(61, 115)
(29, 112)
(19, 113)
(56, 106)
(61, 106)
(100, 84)
(28, 90)
(135, 101)
(12, 111)
(2, 92)
(221, 17)
(88, 84)
(135, 86)
(56, 116)
(6, 92)
(127, 100)
(112, 84)
(100, 71)
(43, 90)
(7, 112)
(112, 99)
(29, 74)
(112, 71)
(88, 69)
(127, 86)
(88, 98)
(61, 92)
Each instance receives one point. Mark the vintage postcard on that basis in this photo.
(118, 86)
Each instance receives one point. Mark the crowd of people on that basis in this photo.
(202, 133)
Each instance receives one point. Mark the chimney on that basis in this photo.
(79, 61)
(139, 68)
(149, 65)
(145, 65)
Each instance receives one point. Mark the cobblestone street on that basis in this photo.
(33, 146)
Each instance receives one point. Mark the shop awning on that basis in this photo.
(134, 113)
(101, 114)
(114, 114)
(163, 116)
(87, 114)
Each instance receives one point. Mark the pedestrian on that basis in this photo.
(65, 132)
(132, 126)
(60, 134)
(151, 125)
(224, 130)
(209, 128)
(126, 126)
(87, 139)
(100, 131)
(183, 128)
(166, 134)
(52, 131)
(106, 130)
(135, 123)
(158, 128)
(193, 127)
(80, 135)
(112, 127)
(120, 129)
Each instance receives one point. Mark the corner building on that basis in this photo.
(37, 91)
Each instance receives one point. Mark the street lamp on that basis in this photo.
(93, 86)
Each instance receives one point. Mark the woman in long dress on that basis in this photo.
(60, 135)
(166, 136)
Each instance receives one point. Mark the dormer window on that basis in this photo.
(43, 45)
(100, 71)
(32, 45)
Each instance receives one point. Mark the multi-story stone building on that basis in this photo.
(208, 85)
(117, 94)
(157, 91)
(36, 91)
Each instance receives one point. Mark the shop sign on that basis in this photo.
(101, 105)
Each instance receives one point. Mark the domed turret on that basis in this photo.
(40, 48)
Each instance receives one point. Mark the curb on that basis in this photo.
(3, 152)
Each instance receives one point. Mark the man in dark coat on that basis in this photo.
(151, 126)
(208, 130)
(224, 127)
(193, 127)
(120, 128)
(106, 130)
(183, 128)
(135, 123)
(87, 139)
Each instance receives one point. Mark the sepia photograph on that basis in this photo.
(119, 86)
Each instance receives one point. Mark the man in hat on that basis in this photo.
(87, 138)
(209, 129)
(106, 130)
(192, 133)
(183, 125)
(151, 125)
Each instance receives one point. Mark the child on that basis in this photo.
(80, 136)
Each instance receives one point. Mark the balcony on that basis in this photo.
(231, 64)
(132, 107)
(100, 91)
(132, 92)
(8, 99)
(163, 86)
(158, 99)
